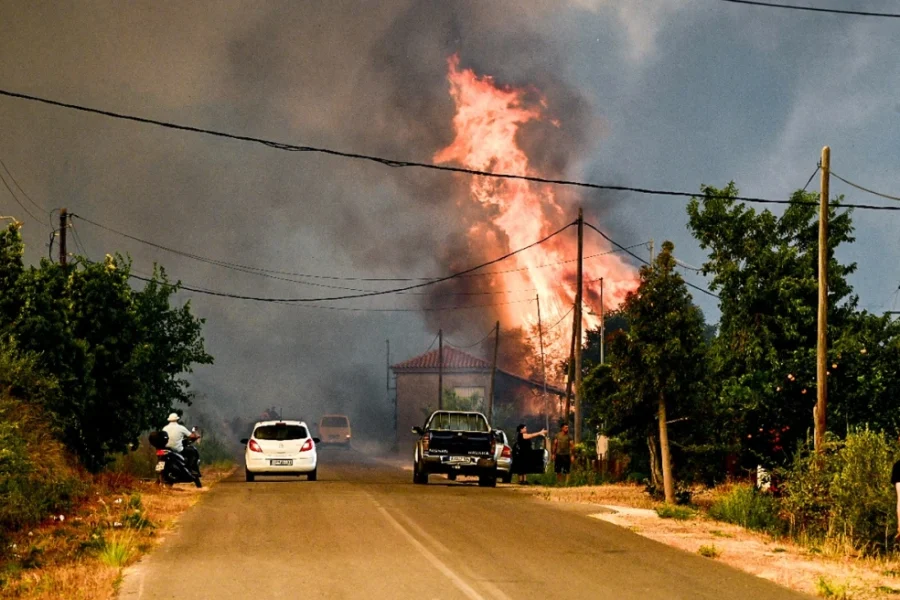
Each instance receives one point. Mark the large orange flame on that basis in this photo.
(487, 122)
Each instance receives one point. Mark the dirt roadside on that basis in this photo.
(810, 570)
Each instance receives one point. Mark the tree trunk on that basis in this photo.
(668, 484)
(656, 479)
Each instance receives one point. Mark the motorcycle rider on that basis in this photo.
(177, 433)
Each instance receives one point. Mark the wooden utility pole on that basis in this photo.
(602, 327)
(490, 415)
(668, 484)
(440, 369)
(570, 374)
(651, 253)
(537, 299)
(63, 227)
(822, 339)
(578, 319)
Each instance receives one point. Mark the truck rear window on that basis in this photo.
(280, 432)
(458, 422)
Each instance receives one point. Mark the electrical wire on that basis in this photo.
(858, 13)
(260, 270)
(385, 292)
(16, 198)
(561, 319)
(431, 345)
(859, 187)
(394, 163)
(486, 336)
(19, 187)
(617, 244)
(808, 181)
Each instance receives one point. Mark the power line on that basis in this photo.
(561, 319)
(808, 181)
(203, 291)
(275, 274)
(617, 244)
(19, 187)
(859, 187)
(16, 198)
(394, 163)
(858, 13)
(384, 292)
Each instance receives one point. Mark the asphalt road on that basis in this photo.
(363, 530)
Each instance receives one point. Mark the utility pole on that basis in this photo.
(822, 339)
(440, 369)
(578, 319)
(63, 225)
(490, 415)
(570, 375)
(537, 299)
(602, 327)
(651, 252)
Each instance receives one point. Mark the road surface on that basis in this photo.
(363, 530)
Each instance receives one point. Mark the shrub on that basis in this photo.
(36, 479)
(709, 551)
(828, 589)
(844, 495)
(747, 507)
(679, 513)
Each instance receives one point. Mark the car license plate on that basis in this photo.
(282, 462)
(160, 466)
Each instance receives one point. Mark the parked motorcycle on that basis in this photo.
(174, 467)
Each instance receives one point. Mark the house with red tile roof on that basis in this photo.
(466, 385)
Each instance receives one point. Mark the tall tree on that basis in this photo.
(658, 363)
(764, 268)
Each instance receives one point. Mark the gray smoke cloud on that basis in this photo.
(363, 77)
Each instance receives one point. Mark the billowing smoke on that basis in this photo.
(369, 78)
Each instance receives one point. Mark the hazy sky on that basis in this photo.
(650, 93)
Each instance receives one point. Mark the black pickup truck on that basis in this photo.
(455, 443)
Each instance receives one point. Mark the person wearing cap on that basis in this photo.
(176, 432)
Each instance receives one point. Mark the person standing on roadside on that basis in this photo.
(563, 448)
(522, 451)
(895, 481)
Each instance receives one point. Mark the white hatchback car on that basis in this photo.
(280, 448)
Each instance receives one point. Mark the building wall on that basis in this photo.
(417, 396)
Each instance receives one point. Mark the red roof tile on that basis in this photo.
(453, 359)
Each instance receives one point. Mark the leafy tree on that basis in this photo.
(765, 271)
(658, 364)
(116, 354)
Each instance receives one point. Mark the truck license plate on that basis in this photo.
(460, 460)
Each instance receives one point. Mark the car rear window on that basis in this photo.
(458, 422)
(280, 432)
(334, 422)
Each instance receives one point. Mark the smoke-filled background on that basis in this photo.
(654, 93)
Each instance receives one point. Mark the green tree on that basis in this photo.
(764, 269)
(116, 354)
(659, 363)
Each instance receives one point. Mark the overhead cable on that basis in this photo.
(394, 163)
(837, 11)
(859, 187)
(617, 244)
(391, 291)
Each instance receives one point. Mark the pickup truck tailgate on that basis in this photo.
(461, 443)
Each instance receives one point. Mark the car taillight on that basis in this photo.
(160, 452)
(307, 445)
(254, 447)
(425, 441)
(507, 452)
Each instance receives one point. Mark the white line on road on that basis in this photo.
(455, 579)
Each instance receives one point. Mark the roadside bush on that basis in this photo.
(747, 507)
(36, 479)
(844, 495)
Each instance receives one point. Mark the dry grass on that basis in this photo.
(800, 566)
(81, 557)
